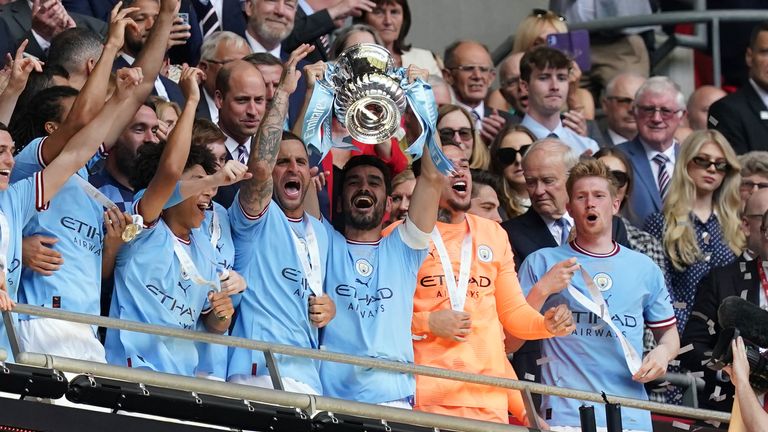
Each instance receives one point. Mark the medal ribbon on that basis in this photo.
(107, 203)
(457, 292)
(309, 258)
(597, 306)
(188, 267)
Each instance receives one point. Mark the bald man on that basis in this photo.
(698, 105)
(241, 97)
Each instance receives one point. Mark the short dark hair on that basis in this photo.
(481, 177)
(541, 58)
(148, 159)
(368, 160)
(263, 59)
(72, 47)
(45, 106)
(416, 164)
(762, 27)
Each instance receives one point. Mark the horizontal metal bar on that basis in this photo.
(269, 396)
(367, 362)
(669, 18)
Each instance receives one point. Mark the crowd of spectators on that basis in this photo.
(153, 168)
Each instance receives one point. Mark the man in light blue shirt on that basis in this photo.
(544, 72)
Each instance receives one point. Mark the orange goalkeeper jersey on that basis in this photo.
(494, 299)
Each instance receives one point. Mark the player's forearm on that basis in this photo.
(426, 195)
(150, 59)
(752, 413)
(669, 340)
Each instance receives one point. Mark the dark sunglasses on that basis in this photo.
(541, 13)
(705, 163)
(447, 134)
(621, 178)
(508, 155)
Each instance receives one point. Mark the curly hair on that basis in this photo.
(148, 159)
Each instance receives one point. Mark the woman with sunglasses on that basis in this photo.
(455, 124)
(699, 225)
(507, 151)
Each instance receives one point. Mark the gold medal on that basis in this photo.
(133, 229)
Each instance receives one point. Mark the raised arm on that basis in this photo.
(256, 192)
(176, 151)
(81, 147)
(93, 94)
(150, 60)
(21, 67)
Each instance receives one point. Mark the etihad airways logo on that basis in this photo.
(85, 235)
(361, 300)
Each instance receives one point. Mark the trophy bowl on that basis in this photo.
(369, 100)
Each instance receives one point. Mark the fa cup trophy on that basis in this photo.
(368, 95)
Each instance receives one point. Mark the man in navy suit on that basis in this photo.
(207, 17)
(659, 110)
(218, 50)
(134, 43)
(241, 97)
(16, 24)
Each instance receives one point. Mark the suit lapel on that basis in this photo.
(643, 172)
(756, 104)
(22, 14)
(538, 229)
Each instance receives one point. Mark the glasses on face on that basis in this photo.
(621, 178)
(704, 163)
(751, 185)
(469, 69)
(650, 111)
(541, 13)
(626, 101)
(508, 155)
(447, 134)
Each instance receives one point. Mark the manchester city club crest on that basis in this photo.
(484, 253)
(603, 281)
(363, 267)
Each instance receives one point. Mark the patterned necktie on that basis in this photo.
(552, 135)
(661, 160)
(242, 154)
(206, 14)
(564, 230)
(326, 45)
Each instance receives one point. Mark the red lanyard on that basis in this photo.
(763, 279)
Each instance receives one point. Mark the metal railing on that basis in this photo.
(320, 403)
(714, 17)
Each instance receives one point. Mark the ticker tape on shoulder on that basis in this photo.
(316, 130)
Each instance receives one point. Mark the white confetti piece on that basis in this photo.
(697, 374)
(529, 377)
(743, 266)
(542, 360)
(743, 294)
(674, 363)
(715, 394)
(720, 398)
(679, 305)
(747, 276)
(714, 423)
(684, 349)
(680, 425)
(707, 353)
(700, 315)
(705, 361)
(711, 331)
(665, 383)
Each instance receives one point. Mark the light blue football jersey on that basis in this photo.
(372, 285)
(275, 307)
(591, 358)
(150, 288)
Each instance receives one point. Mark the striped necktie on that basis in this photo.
(663, 178)
(242, 154)
(206, 14)
(564, 230)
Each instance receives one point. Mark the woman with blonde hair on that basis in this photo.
(506, 153)
(699, 226)
(456, 124)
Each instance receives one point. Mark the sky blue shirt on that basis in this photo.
(275, 307)
(76, 220)
(578, 143)
(18, 205)
(591, 358)
(372, 285)
(150, 288)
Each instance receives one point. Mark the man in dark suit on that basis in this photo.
(207, 17)
(218, 50)
(242, 99)
(17, 24)
(659, 110)
(94, 8)
(740, 278)
(469, 71)
(313, 25)
(620, 123)
(134, 43)
(742, 117)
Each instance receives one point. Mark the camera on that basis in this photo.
(758, 362)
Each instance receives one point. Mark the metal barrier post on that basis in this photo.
(716, 66)
(274, 372)
(10, 329)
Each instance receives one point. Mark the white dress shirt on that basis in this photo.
(256, 47)
(650, 153)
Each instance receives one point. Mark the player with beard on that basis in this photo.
(285, 303)
(372, 281)
(612, 281)
(457, 323)
(173, 289)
